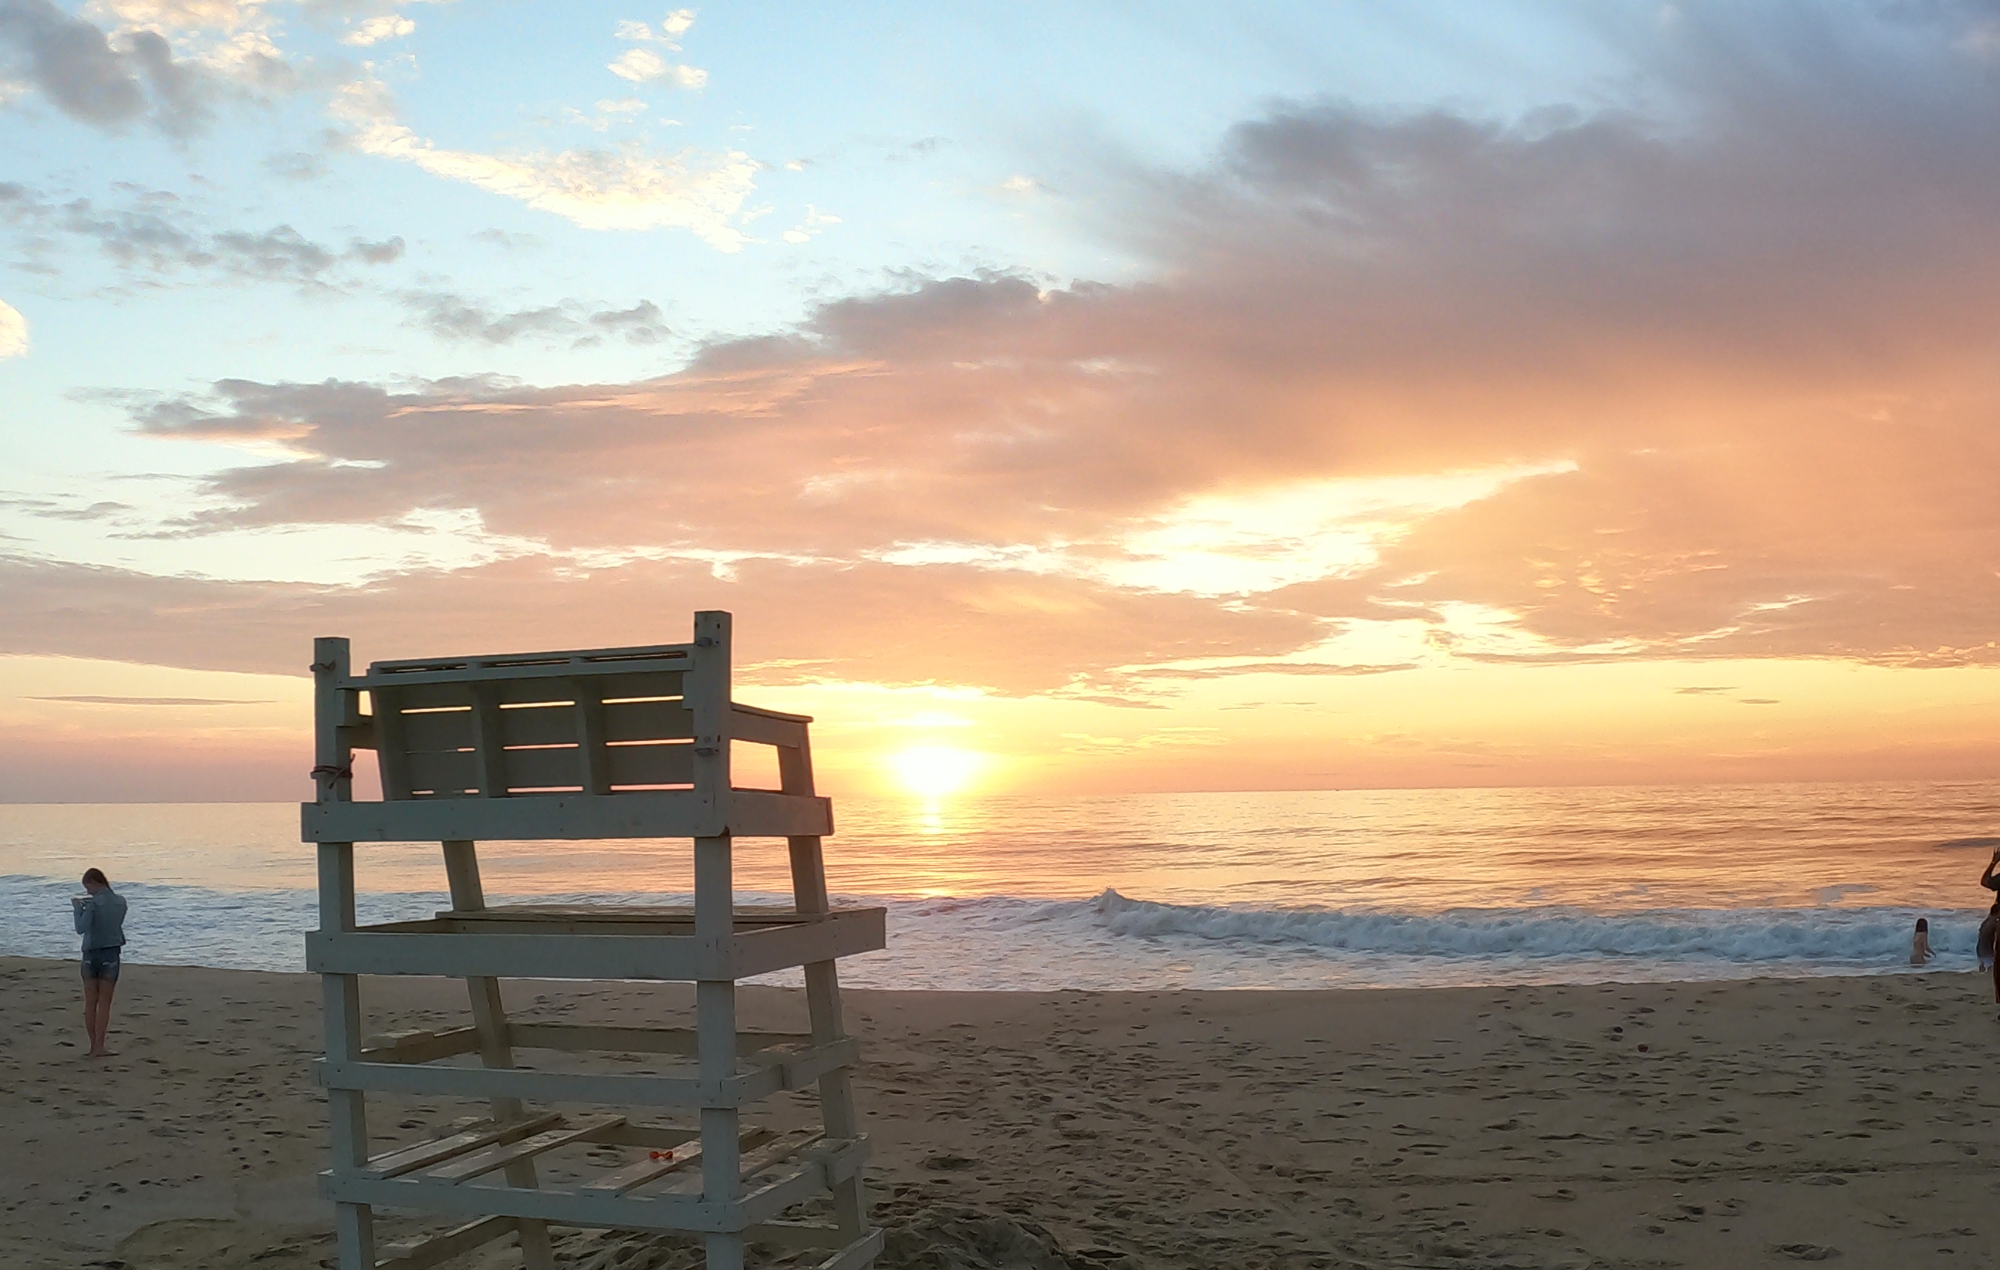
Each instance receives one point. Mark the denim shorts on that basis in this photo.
(100, 963)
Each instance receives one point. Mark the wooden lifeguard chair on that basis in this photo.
(602, 743)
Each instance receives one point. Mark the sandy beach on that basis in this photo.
(1732, 1124)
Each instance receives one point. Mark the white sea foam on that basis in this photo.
(1754, 937)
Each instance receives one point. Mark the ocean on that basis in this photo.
(1361, 888)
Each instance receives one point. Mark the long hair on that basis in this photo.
(97, 876)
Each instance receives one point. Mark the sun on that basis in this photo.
(936, 771)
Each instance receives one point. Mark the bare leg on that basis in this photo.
(105, 988)
(90, 987)
(97, 1013)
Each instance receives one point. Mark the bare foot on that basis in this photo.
(101, 1054)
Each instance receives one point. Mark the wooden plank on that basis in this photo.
(554, 767)
(492, 762)
(506, 956)
(665, 813)
(517, 693)
(778, 1151)
(422, 1155)
(500, 1155)
(434, 730)
(842, 934)
(660, 1163)
(668, 1211)
(647, 721)
(792, 1234)
(453, 1243)
(827, 1163)
(653, 1137)
(671, 763)
(586, 1037)
(766, 728)
(862, 1252)
(643, 676)
(540, 724)
(636, 687)
(420, 696)
(574, 1208)
(637, 1174)
(647, 813)
(452, 773)
(522, 693)
(420, 1047)
(589, 720)
(761, 712)
(744, 915)
(500, 661)
(392, 746)
(615, 1089)
(813, 1062)
(763, 813)
(359, 735)
(630, 652)
(580, 954)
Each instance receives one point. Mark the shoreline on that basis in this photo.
(1736, 1122)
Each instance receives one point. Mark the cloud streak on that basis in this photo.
(623, 188)
(156, 235)
(456, 317)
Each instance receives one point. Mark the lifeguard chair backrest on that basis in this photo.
(598, 721)
(595, 743)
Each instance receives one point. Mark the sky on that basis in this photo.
(1065, 399)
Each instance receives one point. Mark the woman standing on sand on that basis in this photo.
(100, 919)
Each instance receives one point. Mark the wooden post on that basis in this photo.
(809, 895)
(488, 744)
(715, 1041)
(347, 1109)
(594, 764)
(489, 1016)
(705, 692)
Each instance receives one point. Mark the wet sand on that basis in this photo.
(1743, 1124)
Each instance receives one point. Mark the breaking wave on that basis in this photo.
(1758, 936)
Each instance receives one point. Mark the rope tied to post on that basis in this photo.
(334, 773)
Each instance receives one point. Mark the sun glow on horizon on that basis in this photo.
(937, 771)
